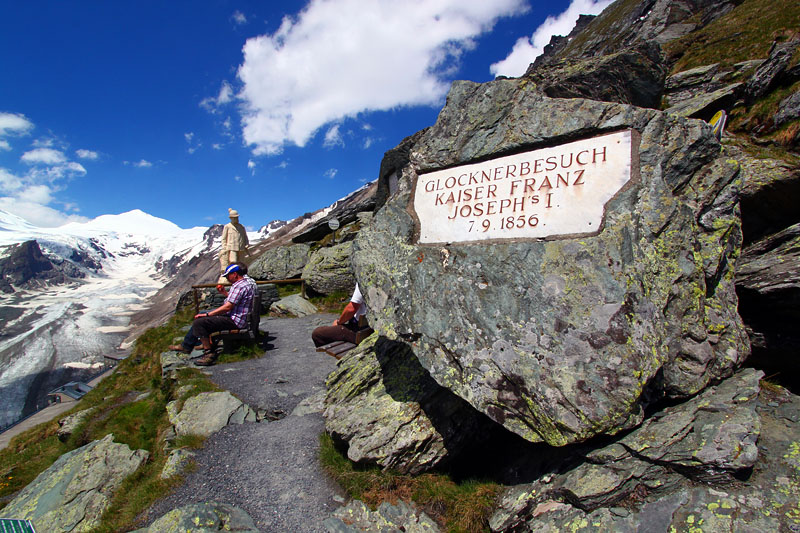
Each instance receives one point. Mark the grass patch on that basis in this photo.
(131, 404)
(331, 303)
(457, 507)
(288, 289)
(746, 33)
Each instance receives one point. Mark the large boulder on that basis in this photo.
(391, 413)
(293, 305)
(203, 518)
(281, 262)
(74, 492)
(330, 270)
(208, 412)
(569, 327)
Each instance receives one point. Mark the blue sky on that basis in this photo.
(184, 109)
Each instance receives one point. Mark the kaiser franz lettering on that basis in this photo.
(514, 196)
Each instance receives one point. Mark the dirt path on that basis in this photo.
(269, 469)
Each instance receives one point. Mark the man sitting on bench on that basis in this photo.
(346, 326)
(230, 315)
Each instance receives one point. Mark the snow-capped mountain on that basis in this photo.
(67, 294)
(132, 244)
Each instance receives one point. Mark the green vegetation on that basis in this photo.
(458, 507)
(287, 289)
(332, 303)
(745, 33)
(131, 404)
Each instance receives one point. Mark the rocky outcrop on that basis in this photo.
(24, 265)
(773, 71)
(68, 424)
(345, 211)
(650, 477)
(294, 305)
(645, 307)
(356, 517)
(203, 517)
(390, 412)
(281, 262)
(632, 76)
(74, 492)
(626, 24)
(330, 270)
(208, 412)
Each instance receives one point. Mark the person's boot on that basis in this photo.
(208, 359)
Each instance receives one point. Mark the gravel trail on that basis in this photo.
(269, 469)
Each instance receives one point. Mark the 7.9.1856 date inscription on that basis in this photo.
(556, 191)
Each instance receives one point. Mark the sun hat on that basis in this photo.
(231, 269)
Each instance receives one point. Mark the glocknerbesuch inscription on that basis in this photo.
(556, 191)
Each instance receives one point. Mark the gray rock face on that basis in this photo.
(203, 518)
(330, 270)
(772, 70)
(387, 518)
(564, 339)
(345, 211)
(69, 424)
(390, 412)
(294, 305)
(281, 262)
(208, 412)
(648, 480)
(788, 109)
(633, 76)
(72, 494)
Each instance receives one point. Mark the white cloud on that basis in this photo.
(143, 164)
(87, 154)
(237, 179)
(4, 146)
(43, 156)
(188, 136)
(331, 173)
(224, 96)
(339, 58)
(238, 18)
(37, 214)
(527, 49)
(14, 124)
(333, 137)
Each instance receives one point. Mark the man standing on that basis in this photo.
(232, 314)
(234, 242)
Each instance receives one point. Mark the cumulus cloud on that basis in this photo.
(87, 154)
(331, 173)
(527, 49)
(143, 163)
(339, 58)
(31, 191)
(14, 124)
(43, 156)
(38, 214)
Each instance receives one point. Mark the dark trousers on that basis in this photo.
(326, 334)
(204, 326)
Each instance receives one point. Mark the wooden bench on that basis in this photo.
(233, 338)
(337, 349)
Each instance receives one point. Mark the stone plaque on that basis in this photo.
(557, 191)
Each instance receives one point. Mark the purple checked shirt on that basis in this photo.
(241, 296)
